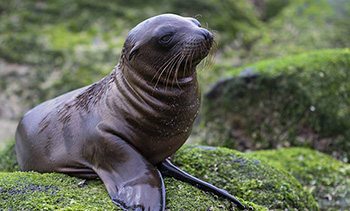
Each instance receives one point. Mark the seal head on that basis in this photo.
(166, 45)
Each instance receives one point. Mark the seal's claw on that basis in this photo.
(169, 169)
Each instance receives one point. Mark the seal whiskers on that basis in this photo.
(167, 64)
(177, 70)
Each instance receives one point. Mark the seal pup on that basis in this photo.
(124, 127)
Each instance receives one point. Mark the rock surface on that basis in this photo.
(326, 178)
(300, 100)
(257, 184)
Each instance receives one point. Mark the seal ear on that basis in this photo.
(131, 181)
(134, 50)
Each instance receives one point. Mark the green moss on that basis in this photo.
(299, 100)
(182, 196)
(288, 27)
(8, 161)
(326, 178)
(34, 191)
(75, 46)
(304, 25)
(79, 44)
(323, 60)
(61, 38)
(255, 183)
(272, 8)
(249, 179)
(66, 48)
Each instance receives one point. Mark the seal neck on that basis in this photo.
(156, 114)
(164, 82)
(139, 89)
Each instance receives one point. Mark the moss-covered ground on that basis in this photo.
(8, 161)
(326, 178)
(257, 184)
(34, 191)
(249, 179)
(299, 100)
(245, 175)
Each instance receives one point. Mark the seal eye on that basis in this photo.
(165, 39)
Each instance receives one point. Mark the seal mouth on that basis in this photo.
(185, 56)
(196, 49)
(193, 52)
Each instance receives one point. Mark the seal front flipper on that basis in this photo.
(169, 169)
(132, 182)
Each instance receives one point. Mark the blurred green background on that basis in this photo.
(50, 47)
(280, 77)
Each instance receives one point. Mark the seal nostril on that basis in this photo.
(207, 34)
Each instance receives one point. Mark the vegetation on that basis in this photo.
(286, 66)
(288, 27)
(326, 178)
(257, 184)
(304, 25)
(249, 179)
(68, 47)
(8, 161)
(299, 100)
(245, 175)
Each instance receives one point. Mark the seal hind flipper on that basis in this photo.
(131, 181)
(169, 169)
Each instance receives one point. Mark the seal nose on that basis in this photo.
(206, 34)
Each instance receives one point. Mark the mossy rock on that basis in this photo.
(258, 185)
(288, 27)
(326, 178)
(8, 160)
(300, 100)
(249, 179)
(34, 191)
